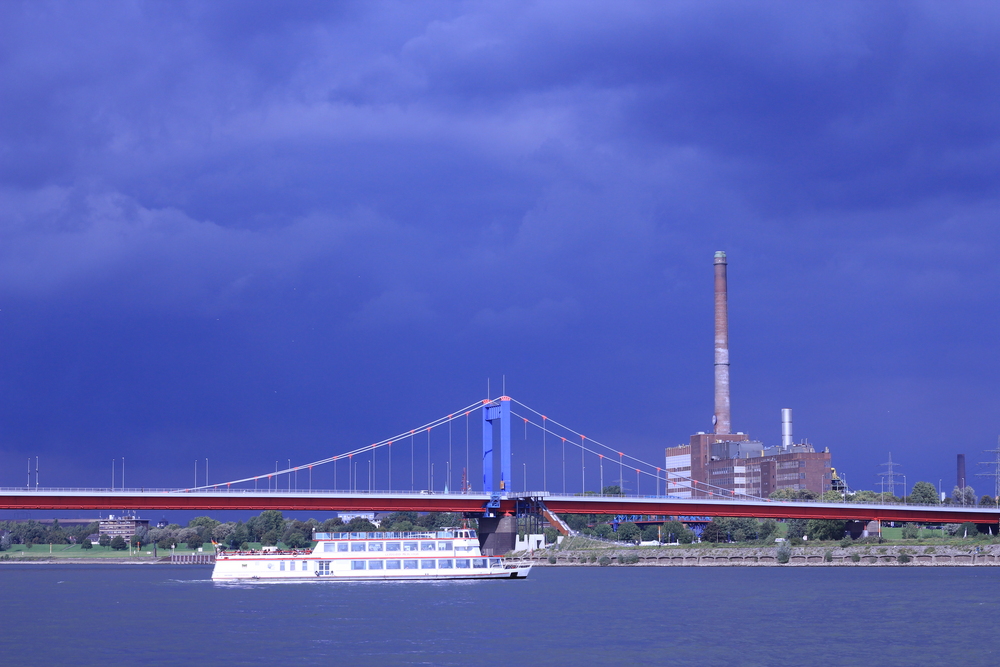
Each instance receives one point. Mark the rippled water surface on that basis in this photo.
(161, 614)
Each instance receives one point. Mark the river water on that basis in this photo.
(167, 615)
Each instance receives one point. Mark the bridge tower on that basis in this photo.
(497, 534)
(494, 411)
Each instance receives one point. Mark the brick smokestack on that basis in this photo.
(722, 418)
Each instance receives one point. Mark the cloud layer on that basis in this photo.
(251, 232)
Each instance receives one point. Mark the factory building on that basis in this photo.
(725, 463)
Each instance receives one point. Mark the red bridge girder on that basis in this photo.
(779, 510)
(305, 502)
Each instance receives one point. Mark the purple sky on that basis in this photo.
(260, 231)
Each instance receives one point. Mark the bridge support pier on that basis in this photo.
(497, 535)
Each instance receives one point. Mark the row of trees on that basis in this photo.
(32, 532)
(268, 528)
(922, 493)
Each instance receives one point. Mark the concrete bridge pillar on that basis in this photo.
(497, 535)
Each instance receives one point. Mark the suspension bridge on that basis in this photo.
(570, 471)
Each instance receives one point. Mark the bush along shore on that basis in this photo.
(584, 552)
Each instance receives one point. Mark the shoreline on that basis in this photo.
(987, 555)
(44, 560)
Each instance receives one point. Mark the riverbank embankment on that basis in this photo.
(878, 555)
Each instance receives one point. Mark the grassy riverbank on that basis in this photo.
(55, 552)
(582, 551)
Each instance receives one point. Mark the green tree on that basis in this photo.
(104, 541)
(967, 529)
(784, 553)
(911, 531)
(362, 525)
(965, 496)
(864, 496)
(266, 521)
(86, 544)
(141, 536)
(613, 490)
(832, 497)
(118, 543)
(796, 528)
(767, 529)
(825, 529)
(206, 521)
(987, 501)
(794, 494)
(195, 543)
(603, 530)
(239, 535)
(924, 493)
(714, 531)
(295, 540)
(388, 523)
(628, 532)
(742, 528)
(551, 535)
(650, 533)
(270, 538)
(675, 531)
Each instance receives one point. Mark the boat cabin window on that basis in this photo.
(410, 546)
(444, 546)
(462, 563)
(427, 564)
(305, 566)
(357, 564)
(281, 566)
(427, 546)
(392, 546)
(392, 564)
(357, 546)
(444, 564)
(374, 546)
(323, 567)
(342, 546)
(478, 562)
(375, 564)
(329, 546)
(410, 564)
(495, 562)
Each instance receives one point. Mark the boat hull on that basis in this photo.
(511, 572)
(450, 554)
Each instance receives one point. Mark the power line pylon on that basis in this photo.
(995, 468)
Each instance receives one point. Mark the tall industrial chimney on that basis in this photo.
(722, 417)
(961, 471)
(786, 427)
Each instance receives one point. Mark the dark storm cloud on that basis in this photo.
(239, 222)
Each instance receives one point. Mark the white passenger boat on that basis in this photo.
(445, 554)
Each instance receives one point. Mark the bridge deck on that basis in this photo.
(326, 501)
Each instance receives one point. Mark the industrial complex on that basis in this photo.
(727, 463)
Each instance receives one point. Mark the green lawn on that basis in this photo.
(75, 551)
